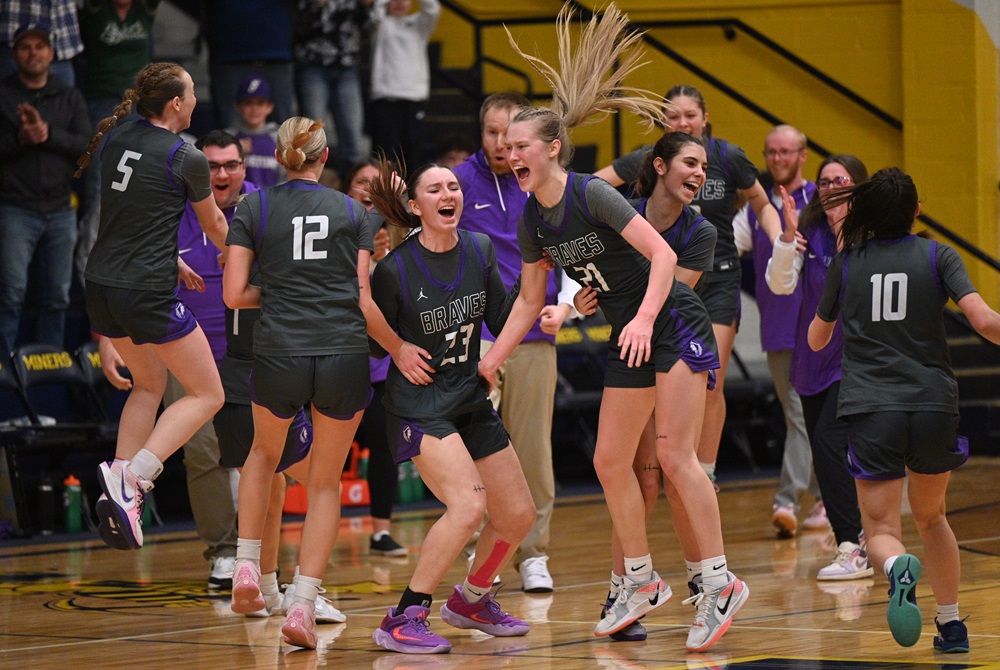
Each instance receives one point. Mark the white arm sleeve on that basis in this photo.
(783, 268)
(567, 290)
(741, 231)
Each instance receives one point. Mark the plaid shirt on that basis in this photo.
(59, 16)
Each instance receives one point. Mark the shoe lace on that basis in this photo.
(843, 556)
(535, 567)
(704, 602)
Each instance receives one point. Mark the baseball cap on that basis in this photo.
(254, 87)
(41, 31)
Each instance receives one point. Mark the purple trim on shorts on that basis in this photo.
(182, 323)
(694, 352)
(303, 436)
(962, 447)
(858, 472)
(934, 267)
(410, 438)
(346, 417)
(170, 172)
(256, 401)
(263, 217)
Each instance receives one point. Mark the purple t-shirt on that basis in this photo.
(198, 252)
(814, 371)
(493, 206)
(778, 313)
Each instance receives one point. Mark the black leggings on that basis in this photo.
(382, 471)
(828, 440)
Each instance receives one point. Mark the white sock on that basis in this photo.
(379, 535)
(709, 469)
(306, 590)
(616, 585)
(946, 613)
(472, 593)
(693, 570)
(145, 465)
(269, 583)
(714, 571)
(248, 550)
(639, 569)
(887, 566)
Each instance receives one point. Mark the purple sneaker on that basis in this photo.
(484, 615)
(409, 633)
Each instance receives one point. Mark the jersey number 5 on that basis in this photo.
(883, 305)
(302, 244)
(125, 169)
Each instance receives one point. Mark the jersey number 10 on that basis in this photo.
(883, 288)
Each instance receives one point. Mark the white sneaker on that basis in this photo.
(851, 562)
(784, 521)
(634, 600)
(817, 519)
(472, 559)
(324, 610)
(535, 577)
(716, 608)
(272, 606)
(221, 575)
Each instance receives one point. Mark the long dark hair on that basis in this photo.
(814, 213)
(389, 197)
(666, 148)
(882, 208)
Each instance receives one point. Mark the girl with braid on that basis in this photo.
(898, 392)
(438, 288)
(311, 246)
(148, 174)
(661, 350)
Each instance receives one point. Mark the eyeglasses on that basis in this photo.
(232, 167)
(836, 182)
(784, 153)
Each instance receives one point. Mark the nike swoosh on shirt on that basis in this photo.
(184, 251)
(480, 205)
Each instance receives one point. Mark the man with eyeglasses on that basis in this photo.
(784, 156)
(200, 288)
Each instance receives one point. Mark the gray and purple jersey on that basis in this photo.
(493, 206)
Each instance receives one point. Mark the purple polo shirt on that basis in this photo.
(778, 313)
(198, 251)
(493, 206)
(814, 371)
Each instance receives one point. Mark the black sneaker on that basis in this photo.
(952, 637)
(386, 546)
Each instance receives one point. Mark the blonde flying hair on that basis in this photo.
(155, 86)
(301, 142)
(588, 85)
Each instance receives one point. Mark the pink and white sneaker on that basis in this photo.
(120, 508)
(247, 597)
(300, 626)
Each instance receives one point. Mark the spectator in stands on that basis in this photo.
(785, 154)
(43, 128)
(57, 18)
(249, 37)
(258, 136)
(117, 35)
(452, 149)
(401, 80)
(327, 37)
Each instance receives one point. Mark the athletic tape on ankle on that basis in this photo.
(484, 576)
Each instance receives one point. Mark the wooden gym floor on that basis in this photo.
(83, 605)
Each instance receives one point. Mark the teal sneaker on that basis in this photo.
(903, 614)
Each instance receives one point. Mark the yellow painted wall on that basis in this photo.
(929, 63)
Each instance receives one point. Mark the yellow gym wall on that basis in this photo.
(929, 63)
